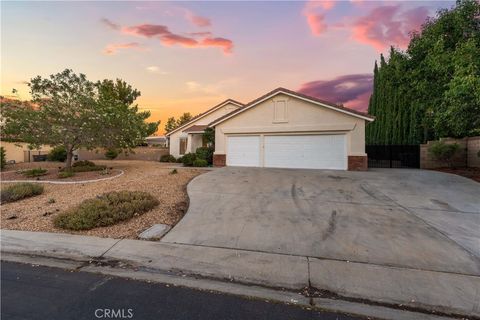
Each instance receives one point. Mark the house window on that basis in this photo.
(183, 145)
(280, 111)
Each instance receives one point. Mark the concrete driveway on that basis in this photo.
(423, 220)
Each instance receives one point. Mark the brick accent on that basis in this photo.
(219, 160)
(357, 163)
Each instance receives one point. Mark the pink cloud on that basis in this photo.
(173, 39)
(146, 30)
(388, 25)
(352, 90)
(316, 19)
(225, 44)
(112, 49)
(110, 24)
(198, 20)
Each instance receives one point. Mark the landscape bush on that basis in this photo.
(180, 160)
(188, 159)
(84, 166)
(205, 153)
(111, 154)
(35, 172)
(66, 174)
(105, 210)
(442, 151)
(20, 191)
(3, 160)
(167, 158)
(83, 163)
(200, 163)
(58, 153)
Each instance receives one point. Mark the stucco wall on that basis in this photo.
(175, 137)
(141, 153)
(467, 155)
(16, 151)
(302, 117)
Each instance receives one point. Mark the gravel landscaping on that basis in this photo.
(37, 213)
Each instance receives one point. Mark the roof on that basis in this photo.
(196, 128)
(302, 96)
(201, 115)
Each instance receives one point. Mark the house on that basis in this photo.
(188, 137)
(286, 129)
(156, 141)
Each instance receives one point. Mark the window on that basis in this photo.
(183, 145)
(280, 111)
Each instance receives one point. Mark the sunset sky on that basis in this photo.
(189, 56)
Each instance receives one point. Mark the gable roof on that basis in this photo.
(196, 128)
(298, 95)
(201, 115)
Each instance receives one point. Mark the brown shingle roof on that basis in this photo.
(196, 128)
(294, 93)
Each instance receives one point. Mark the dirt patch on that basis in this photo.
(471, 173)
(37, 213)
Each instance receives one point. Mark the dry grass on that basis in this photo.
(36, 214)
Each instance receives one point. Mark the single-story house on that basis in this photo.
(286, 129)
(188, 137)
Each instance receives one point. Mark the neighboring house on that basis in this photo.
(156, 141)
(16, 152)
(188, 137)
(286, 129)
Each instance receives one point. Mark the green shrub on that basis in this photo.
(57, 154)
(66, 174)
(174, 171)
(20, 191)
(442, 151)
(188, 159)
(105, 210)
(111, 154)
(3, 160)
(167, 158)
(205, 153)
(86, 168)
(83, 163)
(200, 163)
(36, 172)
(180, 160)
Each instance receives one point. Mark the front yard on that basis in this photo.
(37, 213)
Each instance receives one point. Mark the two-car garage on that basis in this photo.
(308, 151)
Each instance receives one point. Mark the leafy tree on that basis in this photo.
(432, 89)
(209, 136)
(73, 112)
(184, 118)
(170, 125)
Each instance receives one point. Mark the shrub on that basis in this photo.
(174, 171)
(85, 168)
(205, 153)
(20, 191)
(188, 159)
(83, 163)
(200, 163)
(66, 174)
(36, 172)
(442, 151)
(105, 210)
(111, 154)
(167, 158)
(57, 154)
(3, 160)
(180, 160)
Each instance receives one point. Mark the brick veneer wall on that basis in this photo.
(357, 163)
(466, 155)
(219, 160)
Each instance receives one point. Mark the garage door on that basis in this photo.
(307, 151)
(243, 151)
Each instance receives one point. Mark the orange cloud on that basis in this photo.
(198, 20)
(112, 49)
(225, 44)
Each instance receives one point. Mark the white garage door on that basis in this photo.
(243, 151)
(308, 151)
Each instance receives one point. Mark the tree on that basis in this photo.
(184, 118)
(73, 112)
(170, 125)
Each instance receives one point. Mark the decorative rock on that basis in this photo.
(155, 232)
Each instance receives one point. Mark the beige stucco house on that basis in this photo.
(286, 129)
(188, 137)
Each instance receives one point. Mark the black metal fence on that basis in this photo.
(393, 156)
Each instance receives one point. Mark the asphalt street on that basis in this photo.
(35, 292)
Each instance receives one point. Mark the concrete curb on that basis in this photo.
(354, 282)
(66, 182)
